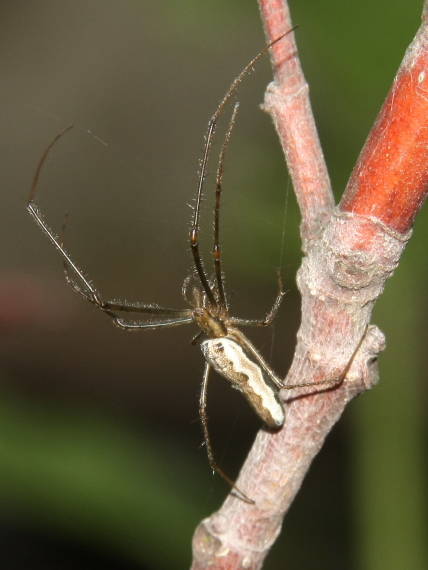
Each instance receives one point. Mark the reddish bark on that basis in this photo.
(390, 180)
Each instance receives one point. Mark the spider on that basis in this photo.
(224, 346)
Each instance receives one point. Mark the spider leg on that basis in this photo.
(82, 285)
(212, 124)
(89, 292)
(127, 306)
(154, 324)
(269, 317)
(204, 422)
(194, 231)
(329, 384)
(118, 304)
(218, 192)
(319, 386)
(35, 212)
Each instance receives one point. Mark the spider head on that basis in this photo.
(212, 325)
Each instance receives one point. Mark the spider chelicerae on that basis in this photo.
(224, 346)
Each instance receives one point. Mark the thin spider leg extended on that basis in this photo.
(218, 192)
(153, 324)
(269, 317)
(170, 317)
(34, 211)
(146, 308)
(118, 304)
(330, 383)
(90, 292)
(246, 70)
(35, 182)
(204, 422)
(66, 268)
(319, 386)
(212, 123)
(194, 232)
(82, 289)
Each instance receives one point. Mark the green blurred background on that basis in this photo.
(100, 457)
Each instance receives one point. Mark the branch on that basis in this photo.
(390, 180)
(350, 253)
(287, 100)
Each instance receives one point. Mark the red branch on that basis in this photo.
(390, 180)
(350, 253)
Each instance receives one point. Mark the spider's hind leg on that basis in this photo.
(210, 453)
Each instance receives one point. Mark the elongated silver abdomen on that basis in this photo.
(235, 364)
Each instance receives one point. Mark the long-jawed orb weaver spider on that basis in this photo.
(224, 346)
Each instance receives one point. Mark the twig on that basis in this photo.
(287, 100)
(350, 252)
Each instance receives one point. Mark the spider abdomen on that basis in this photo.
(236, 365)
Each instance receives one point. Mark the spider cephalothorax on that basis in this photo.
(210, 323)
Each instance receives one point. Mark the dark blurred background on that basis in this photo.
(100, 457)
